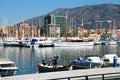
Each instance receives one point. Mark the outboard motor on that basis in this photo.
(44, 62)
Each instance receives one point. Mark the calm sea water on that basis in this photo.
(27, 58)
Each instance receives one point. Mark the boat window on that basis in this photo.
(79, 58)
(34, 40)
(91, 56)
(107, 60)
(89, 59)
(7, 65)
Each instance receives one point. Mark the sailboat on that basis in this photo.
(113, 41)
(6, 41)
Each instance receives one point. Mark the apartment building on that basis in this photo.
(17, 32)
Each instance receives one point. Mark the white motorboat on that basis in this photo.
(7, 42)
(89, 61)
(17, 43)
(113, 42)
(46, 42)
(7, 67)
(109, 58)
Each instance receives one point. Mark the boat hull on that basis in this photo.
(46, 45)
(73, 44)
(7, 72)
(45, 69)
(88, 62)
(42, 42)
(42, 69)
(86, 65)
(7, 67)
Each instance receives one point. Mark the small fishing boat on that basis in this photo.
(89, 61)
(47, 67)
(7, 67)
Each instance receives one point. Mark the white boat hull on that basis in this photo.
(42, 43)
(7, 67)
(73, 44)
(113, 42)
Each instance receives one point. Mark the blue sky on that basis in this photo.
(19, 10)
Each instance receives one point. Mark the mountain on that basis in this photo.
(92, 16)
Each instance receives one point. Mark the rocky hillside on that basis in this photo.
(92, 16)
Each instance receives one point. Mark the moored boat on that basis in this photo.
(7, 42)
(113, 43)
(17, 43)
(73, 44)
(108, 60)
(7, 67)
(49, 68)
(45, 42)
(89, 61)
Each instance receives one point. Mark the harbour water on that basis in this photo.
(27, 58)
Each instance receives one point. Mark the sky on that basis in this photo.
(15, 11)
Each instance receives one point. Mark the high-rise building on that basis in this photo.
(56, 21)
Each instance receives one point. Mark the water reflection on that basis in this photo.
(27, 58)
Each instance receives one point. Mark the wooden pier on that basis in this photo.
(109, 73)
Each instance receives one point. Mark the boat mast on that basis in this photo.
(114, 27)
(75, 26)
(66, 25)
(54, 26)
(6, 28)
(3, 21)
(114, 24)
(82, 24)
(32, 28)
